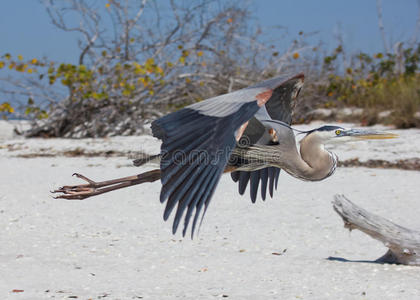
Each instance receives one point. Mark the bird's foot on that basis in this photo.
(78, 192)
(93, 188)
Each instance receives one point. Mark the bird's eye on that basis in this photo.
(337, 132)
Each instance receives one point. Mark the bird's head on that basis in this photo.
(336, 134)
(327, 134)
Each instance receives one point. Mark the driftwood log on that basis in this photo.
(403, 243)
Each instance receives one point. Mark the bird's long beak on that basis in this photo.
(369, 134)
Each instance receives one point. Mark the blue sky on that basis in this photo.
(356, 19)
(25, 27)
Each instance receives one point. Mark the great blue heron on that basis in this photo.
(246, 133)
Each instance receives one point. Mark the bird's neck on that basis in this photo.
(316, 162)
(313, 163)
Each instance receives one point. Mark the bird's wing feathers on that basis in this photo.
(195, 150)
(197, 142)
(268, 177)
(279, 107)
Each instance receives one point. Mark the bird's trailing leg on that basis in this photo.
(93, 188)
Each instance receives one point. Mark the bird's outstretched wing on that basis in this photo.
(280, 108)
(268, 177)
(197, 142)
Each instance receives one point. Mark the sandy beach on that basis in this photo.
(116, 245)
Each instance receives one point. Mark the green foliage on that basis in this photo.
(35, 111)
(6, 109)
(26, 67)
(375, 83)
(95, 83)
(104, 81)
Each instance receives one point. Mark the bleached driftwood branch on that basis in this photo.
(403, 243)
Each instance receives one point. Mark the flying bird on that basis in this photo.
(246, 133)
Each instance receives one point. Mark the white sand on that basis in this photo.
(116, 246)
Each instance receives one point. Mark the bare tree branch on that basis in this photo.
(381, 24)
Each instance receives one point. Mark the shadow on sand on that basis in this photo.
(340, 259)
